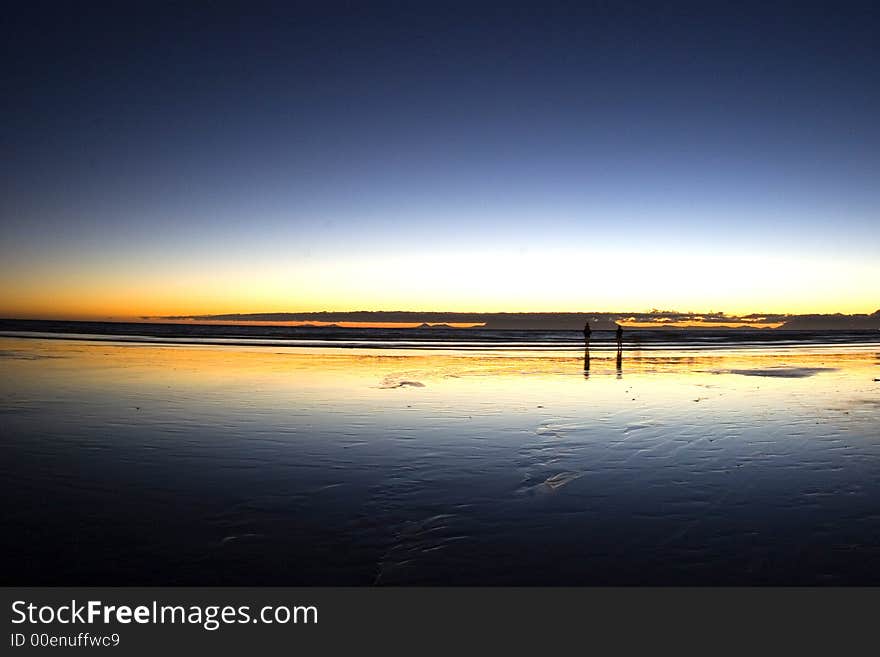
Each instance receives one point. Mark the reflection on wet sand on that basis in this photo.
(295, 466)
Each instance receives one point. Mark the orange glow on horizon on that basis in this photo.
(240, 322)
(467, 281)
(694, 324)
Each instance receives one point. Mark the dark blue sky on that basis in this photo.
(353, 141)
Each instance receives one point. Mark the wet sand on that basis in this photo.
(181, 464)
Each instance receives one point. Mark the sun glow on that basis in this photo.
(474, 280)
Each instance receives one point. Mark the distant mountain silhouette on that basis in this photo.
(599, 321)
(832, 322)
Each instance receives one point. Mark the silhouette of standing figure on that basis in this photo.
(587, 333)
(619, 349)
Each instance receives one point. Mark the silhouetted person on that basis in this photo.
(587, 333)
(619, 351)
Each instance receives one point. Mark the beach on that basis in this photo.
(148, 462)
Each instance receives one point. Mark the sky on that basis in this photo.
(615, 156)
